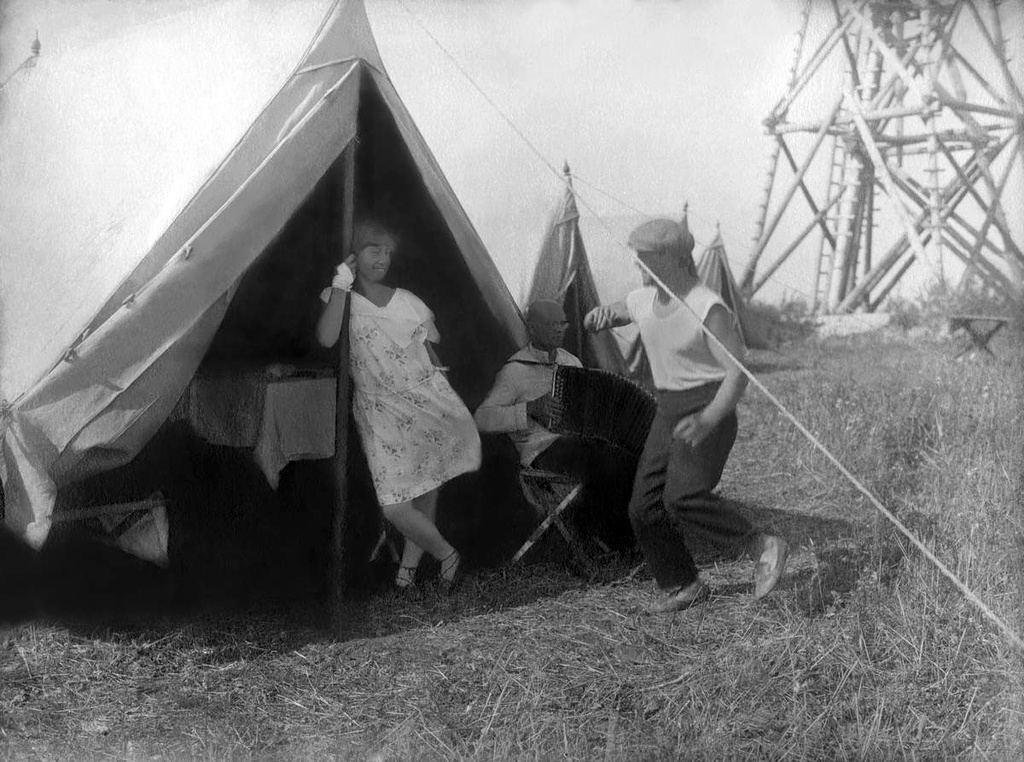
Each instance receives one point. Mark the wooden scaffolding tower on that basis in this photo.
(926, 128)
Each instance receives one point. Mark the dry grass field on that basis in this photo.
(864, 652)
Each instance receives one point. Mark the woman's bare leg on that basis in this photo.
(427, 505)
(419, 529)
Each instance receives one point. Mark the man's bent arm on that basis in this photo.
(504, 410)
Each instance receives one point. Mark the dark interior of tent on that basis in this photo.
(231, 534)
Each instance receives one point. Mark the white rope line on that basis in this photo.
(973, 597)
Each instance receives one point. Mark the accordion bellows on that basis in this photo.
(601, 405)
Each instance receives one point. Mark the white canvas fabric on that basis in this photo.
(130, 108)
(110, 367)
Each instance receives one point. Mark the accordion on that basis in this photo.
(601, 405)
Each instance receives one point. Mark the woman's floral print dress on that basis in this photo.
(416, 432)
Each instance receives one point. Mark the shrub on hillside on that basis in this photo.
(784, 323)
(904, 313)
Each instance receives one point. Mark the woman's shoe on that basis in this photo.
(451, 576)
(683, 598)
(405, 581)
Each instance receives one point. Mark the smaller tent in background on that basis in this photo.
(713, 269)
(563, 274)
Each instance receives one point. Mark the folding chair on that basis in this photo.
(551, 494)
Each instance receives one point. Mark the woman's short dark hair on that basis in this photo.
(368, 230)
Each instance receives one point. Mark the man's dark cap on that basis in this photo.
(662, 236)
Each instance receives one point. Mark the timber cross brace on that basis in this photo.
(927, 120)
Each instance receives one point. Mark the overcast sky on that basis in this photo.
(655, 102)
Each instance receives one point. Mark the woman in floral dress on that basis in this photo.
(416, 432)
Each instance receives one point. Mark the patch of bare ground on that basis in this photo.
(864, 652)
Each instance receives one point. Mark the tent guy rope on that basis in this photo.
(968, 593)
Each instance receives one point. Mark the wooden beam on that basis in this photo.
(944, 44)
(874, 304)
(953, 194)
(813, 63)
(814, 126)
(807, 195)
(755, 255)
(912, 82)
(869, 229)
(976, 235)
(887, 93)
(886, 177)
(990, 218)
(988, 271)
(915, 193)
(762, 213)
(849, 254)
(795, 184)
(851, 59)
(773, 153)
(825, 259)
(977, 108)
(963, 176)
(995, 94)
(986, 172)
(792, 247)
(924, 137)
(996, 45)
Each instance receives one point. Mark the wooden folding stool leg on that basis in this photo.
(552, 516)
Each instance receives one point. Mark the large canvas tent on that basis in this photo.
(232, 282)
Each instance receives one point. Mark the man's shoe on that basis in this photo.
(681, 599)
(770, 565)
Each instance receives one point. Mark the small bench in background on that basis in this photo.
(980, 328)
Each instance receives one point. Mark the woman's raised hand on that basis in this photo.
(345, 274)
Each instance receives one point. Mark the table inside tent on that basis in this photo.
(282, 413)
